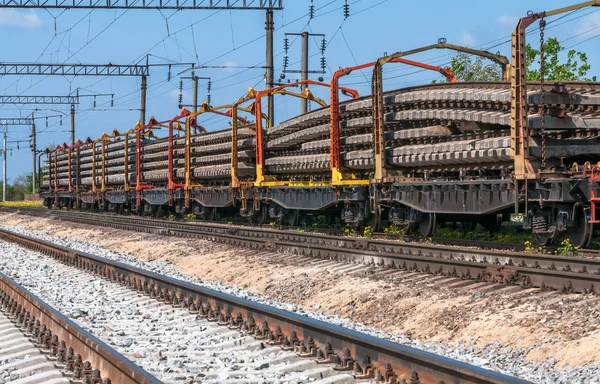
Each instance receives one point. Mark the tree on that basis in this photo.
(240, 124)
(574, 68)
(51, 147)
(474, 68)
(19, 189)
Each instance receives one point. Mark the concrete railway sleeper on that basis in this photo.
(345, 354)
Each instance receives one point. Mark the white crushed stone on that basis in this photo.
(497, 356)
(170, 343)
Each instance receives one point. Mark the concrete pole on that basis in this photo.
(194, 92)
(195, 95)
(72, 124)
(304, 71)
(269, 61)
(4, 170)
(143, 102)
(33, 155)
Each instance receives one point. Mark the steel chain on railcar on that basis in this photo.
(542, 106)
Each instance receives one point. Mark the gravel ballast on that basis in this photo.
(497, 356)
(171, 343)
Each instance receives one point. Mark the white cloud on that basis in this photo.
(467, 39)
(15, 19)
(507, 20)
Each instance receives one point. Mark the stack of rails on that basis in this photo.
(211, 155)
(434, 128)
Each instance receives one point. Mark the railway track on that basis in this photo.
(546, 271)
(330, 353)
(38, 344)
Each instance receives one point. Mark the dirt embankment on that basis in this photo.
(557, 326)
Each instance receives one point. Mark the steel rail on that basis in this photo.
(51, 328)
(551, 272)
(561, 87)
(350, 350)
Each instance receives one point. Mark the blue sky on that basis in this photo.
(236, 39)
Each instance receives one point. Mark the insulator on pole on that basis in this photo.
(323, 46)
(208, 99)
(94, 101)
(286, 44)
(46, 122)
(112, 100)
(323, 63)
(346, 9)
(169, 73)
(60, 117)
(286, 61)
(311, 10)
(209, 86)
(180, 91)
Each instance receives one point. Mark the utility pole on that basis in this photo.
(304, 68)
(72, 124)
(143, 103)
(4, 169)
(304, 71)
(269, 26)
(195, 81)
(194, 92)
(33, 154)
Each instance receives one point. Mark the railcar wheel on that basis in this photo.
(375, 220)
(210, 214)
(292, 216)
(262, 215)
(427, 223)
(581, 234)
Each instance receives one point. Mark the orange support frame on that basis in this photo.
(260, 177)
(71, 147)
(191, 121)
(337, 178)
(58, 149)
(171, 185)
(139, 187)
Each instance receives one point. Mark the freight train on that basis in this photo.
(449, 156)
(470, 152)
